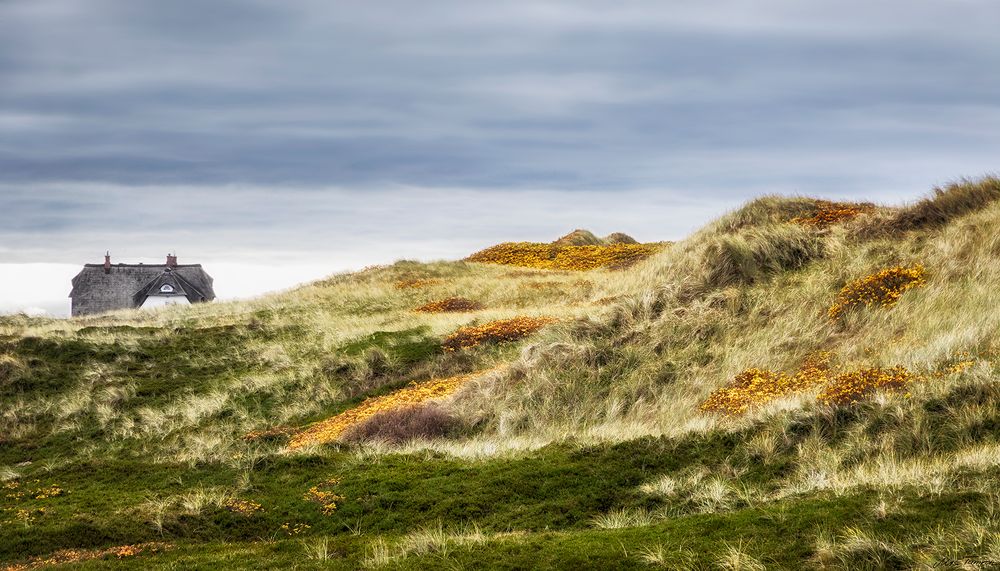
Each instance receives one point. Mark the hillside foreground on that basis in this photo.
(800, 384)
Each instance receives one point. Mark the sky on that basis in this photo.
(307, 137)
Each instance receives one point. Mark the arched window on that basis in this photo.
(166, 288)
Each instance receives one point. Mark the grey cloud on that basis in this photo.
(234, 222)
(226, 106)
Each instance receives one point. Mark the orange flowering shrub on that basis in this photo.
(323, 495)
(958, 363)
(293, 529)
(754, 387)
(558, 257)
(851, 387)
(495, 332)
(243, 507)
(66, 556)
(330, 429)
(416, 283)
(829, 213)
(881, 289)
(451, 304)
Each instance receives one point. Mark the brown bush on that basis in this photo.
(403, 424)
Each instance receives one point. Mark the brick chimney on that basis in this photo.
(171, 261)
(107, 262)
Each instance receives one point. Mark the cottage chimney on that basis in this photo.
(171, 261)
(107, 262)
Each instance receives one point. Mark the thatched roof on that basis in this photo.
(121, 286)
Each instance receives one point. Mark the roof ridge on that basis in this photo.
(143, 265)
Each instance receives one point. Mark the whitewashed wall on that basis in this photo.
(155, 301)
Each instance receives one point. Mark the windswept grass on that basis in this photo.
(331, 427)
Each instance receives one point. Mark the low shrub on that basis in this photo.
(495, 332)
(881, 289)
(332, 428)
(323, 494)
(754, 387)
(854, 386)
(69, 556)
(244, 508)
(561, 257)
(830, 213)
(451, 304)
(403, 424)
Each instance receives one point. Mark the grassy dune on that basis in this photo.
(585, 446)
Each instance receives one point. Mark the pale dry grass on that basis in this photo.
(434, 539)
(737, 557)
(625, 518)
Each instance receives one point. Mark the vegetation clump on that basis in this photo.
(426, 421)
(829, 213)
(754, 387)
(451, 304)
(560, 257)
(881, 289)
(68, 556)
(948, 203)
(851, 387)
(757, 254)
(499, 331)
(324, 495)
(243, 507)
(332, 428)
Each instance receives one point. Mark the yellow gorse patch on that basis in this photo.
(330, 429)
(754, 387)
(323, 495)
(243, 507)
(451, 304)
(559, 257)
(495, 332)
(854, 386)
(881, 289)
(829, 213)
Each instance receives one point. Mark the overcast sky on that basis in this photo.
(314, 136)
